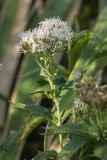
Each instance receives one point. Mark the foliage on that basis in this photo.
(87, 124)
(77, 118)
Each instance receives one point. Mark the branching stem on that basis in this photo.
(48, 74)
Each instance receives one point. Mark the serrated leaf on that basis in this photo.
(11, 139)
(34, 109)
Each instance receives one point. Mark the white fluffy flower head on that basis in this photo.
(54, 28)
(51, 35)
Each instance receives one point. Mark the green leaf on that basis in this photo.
(43, 89)
(78, 128)
(32, 123)
(15, 120)
(72, 147)
(90, 50)
(29, 73)
(101, 54)
(9, 142)
(100, 59)
(35, 109)
(77, 47)
(62, 72)
(65, 114)
(66, 95)
(40, 156)
(73, 128)
(101, 152)
(45, 155)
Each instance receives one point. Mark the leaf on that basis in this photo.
(90, 50)
(78, 128)
(33, 122)
(15, 120)
(97, 63)
(11, 139)
(62, 71)
(99, 55)
(65, 114)
(45, 155)
(72, 147)
(100, 59)
(66, 95)
(101, 152)
(43, 89)
(73, 128)
(40, 156)
(77, 47)
(29, 73)
(35, 109)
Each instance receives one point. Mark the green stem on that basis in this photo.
(59, 119)
(48, 76)
(56, 101)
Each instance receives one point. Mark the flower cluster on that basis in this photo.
(51, 35)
